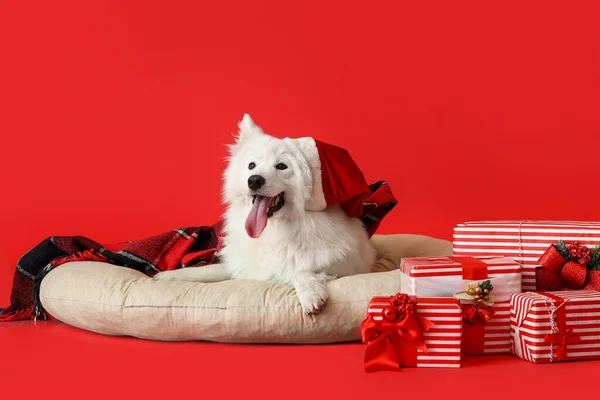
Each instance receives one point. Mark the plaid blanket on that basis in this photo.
(193, 246)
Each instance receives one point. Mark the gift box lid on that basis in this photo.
(534, 306)
(377, 304)
(423, 267)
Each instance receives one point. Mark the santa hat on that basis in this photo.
(336, 178)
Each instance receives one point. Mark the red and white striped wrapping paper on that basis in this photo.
(531, 320)
(496, 336)
(442, 276)
(523, 241)
(444, 339)
(437, 267)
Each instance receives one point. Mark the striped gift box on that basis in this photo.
(496, 333)
(443, 276)
(522, 241)
(435, 267)
(444, 339)
(535, 315)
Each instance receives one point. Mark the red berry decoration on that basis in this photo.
(584, 260)
(399, 299)
(573, 253)
(583, 251)
(585, 256)
(574, 249)
(400, 305)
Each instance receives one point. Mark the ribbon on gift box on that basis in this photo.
(393, 341)
(518, 343)
(476, 314)
(483, 300)
(472, 268)
(558, 323)
(558, 273)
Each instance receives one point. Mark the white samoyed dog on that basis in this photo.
(268, 232)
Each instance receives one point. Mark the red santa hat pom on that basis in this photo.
(336, 179)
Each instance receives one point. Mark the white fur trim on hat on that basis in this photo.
(308, 149)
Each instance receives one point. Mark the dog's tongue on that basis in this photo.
(257, 219)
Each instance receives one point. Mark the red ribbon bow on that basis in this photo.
(565, 335)
(476, 312)
(562, 339)
(556, 273)
(393, 341)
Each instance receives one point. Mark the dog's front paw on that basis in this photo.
(312, 297)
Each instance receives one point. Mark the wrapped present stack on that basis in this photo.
(483, 286)
(527, 288)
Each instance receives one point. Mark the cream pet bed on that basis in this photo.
(119, 301)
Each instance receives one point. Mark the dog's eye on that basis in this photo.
(281, 166)
(251, 165)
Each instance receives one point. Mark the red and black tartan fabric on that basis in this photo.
(194, 246)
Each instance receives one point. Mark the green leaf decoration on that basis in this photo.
(486, 285)
(563, 249)
(594, 263)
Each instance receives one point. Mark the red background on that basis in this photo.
(114, 115)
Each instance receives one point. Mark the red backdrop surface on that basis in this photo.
(114, 115)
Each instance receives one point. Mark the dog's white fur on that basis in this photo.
(297, 247)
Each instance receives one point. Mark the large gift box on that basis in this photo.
(555, 326)
(483, 285)
(524, 242)
(404, 331)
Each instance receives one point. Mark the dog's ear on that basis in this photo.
(247, 129)
(247, 124)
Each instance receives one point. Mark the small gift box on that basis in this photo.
(555, 326)
(403, 331)
(523, 241)
(483, 286)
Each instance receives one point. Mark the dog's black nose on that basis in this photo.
(255, 182)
